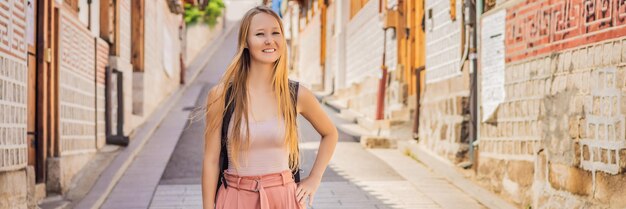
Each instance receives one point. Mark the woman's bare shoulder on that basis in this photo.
(215, 97)
(305, 98)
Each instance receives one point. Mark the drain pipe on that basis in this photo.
(118, 138)
(474, 145)
(382, 85)
(471, 23)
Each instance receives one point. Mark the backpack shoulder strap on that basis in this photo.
(224, 136)
(293, 89)
(227, 115)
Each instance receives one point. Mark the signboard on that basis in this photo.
(492, 63)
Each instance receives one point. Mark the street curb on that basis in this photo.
(142, 134)
(444, 168)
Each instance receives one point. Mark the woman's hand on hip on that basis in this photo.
(307, 187)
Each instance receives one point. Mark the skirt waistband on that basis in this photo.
(254, 183)
(259, 183)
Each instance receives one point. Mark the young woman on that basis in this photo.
(262, 138)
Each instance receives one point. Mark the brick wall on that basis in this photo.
(444, 111)
(559, 138)
(77, 94)
(13, 86)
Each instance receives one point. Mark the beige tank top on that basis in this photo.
(267, 153)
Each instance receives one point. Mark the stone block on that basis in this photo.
(596, 154)
(622, 104)
(568, 66)
(53, 182)
(61, 171)
(570, 179)
(610, 190)
(490, 170)
(614, 105)
(607, 53)
(623, 51)
(597, 54)
(586, 153)
(377, 142)
(13, 189)
(553, 65)
(30, 178)
(521, 172)
(604, 155)
(548, 86)
(574, 131)
(582, 128)
(622, 160)
(596, 105)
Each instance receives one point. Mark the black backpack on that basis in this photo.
(293, 89)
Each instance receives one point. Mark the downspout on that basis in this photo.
(118, 138)
(382, 85)
(471, 23)
(475, 142)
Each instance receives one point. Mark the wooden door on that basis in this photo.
(32, 84)
(415, 46)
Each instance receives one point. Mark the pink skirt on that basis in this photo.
(270, 191)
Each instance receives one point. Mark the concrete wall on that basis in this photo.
(102, 60)
(162, 49)
(122, 63)
(341, 17)
(162, 54)
(443, 107)
(197, 38)
(235, 9)
(310, 70)
(558, 139)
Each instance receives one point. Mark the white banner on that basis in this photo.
(492, 63)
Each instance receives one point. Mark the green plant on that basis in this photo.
(209, 15)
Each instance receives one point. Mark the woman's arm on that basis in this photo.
(311, 109)
(212, 146)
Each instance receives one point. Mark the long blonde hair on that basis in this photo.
(235, 78)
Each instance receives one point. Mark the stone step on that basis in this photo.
(349, 115)
(378, 142)
(402, 114)
(337, 104)
(54, 201)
